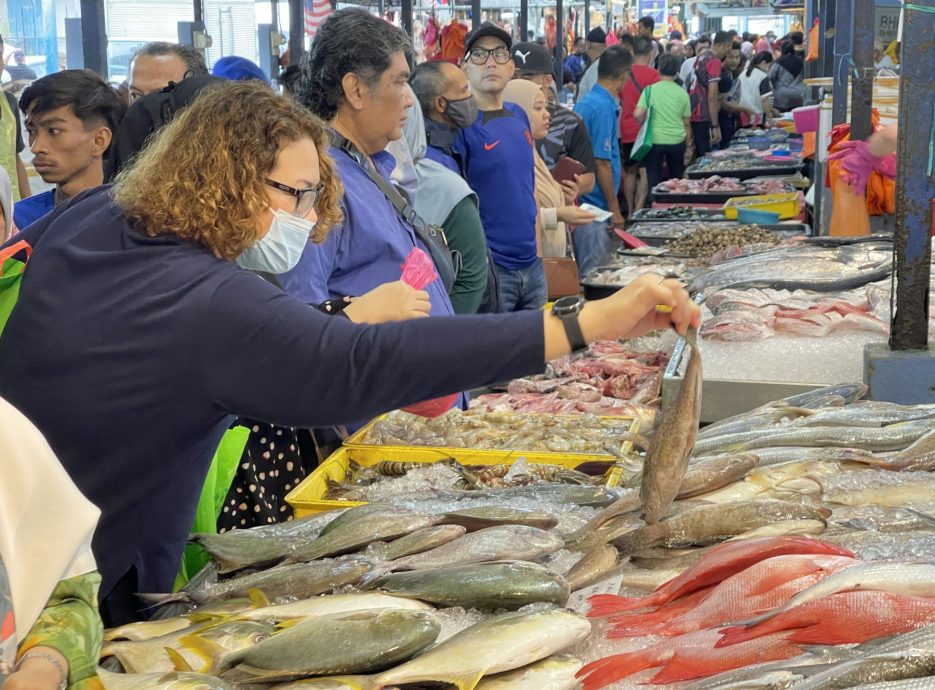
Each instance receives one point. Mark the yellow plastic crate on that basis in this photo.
(468, 456)
(308, 497)
(786, 205)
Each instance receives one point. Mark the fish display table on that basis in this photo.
(754, 552)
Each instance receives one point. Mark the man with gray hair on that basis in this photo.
(156, 64)
(444, 95)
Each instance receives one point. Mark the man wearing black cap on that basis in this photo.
(568, 137)
(597, 44)
(496, 156)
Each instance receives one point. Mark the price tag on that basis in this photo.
(578, 601)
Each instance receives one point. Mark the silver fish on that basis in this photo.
(420, 541)
(491, 544)
(149, 656)
(709, 524)
(234, 553)
(490, 516)
(868, 414)
(667, 460)
(555, 673)
(161, 681)
(594, 564)
(300, 580)
(329, 605)
(871, 669)
(497, 645)
(355, 534)
(361, 642)
(920, 456)
(481, 585)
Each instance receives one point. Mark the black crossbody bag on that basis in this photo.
(447, 262)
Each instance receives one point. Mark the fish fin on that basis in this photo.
(199, 618)
(606, 671)
(209, 650)
(259, 600)
(178, 661)
(155, 600)
(462, 681)
(603, 605)
(816, 634)
(289, 623)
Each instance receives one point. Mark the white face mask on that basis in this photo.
(281, 248)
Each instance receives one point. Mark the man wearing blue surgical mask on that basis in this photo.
(448, 106)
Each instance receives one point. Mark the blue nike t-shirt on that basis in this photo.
(496, 155)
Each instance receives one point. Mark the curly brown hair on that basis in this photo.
(203, 176)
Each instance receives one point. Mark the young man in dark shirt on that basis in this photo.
(703, 90)
(496, 154)
(71, 117)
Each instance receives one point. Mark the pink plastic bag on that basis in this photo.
(419, 272)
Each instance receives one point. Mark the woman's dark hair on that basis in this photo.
(91, 99)
(759, 59)
(289, 79)
(797, 38)
(788, 48)
(350, 40)
(669, 65)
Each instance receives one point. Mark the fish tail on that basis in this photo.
(817, 634)
(742, 633)
(604, 672)
(603, 605)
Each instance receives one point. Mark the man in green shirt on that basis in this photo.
(670, 121)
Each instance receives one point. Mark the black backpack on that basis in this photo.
(147, 116)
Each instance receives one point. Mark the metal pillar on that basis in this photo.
(523, 19)
(199, 8)
(559, 62)
(406, 16)
(915, 181)
(812, 11)
(94, 36)
(475, 14)
(296, 31)
(826, 37)
(843, 39)
(381, 7)
(862, 87)
(587, 17)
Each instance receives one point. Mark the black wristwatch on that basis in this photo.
(567, 309)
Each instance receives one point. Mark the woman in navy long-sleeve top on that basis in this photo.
(137, 337)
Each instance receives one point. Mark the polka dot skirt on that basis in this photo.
(271, 466)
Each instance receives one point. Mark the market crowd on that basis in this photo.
(219, 269)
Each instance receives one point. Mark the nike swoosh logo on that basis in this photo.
(490, 147)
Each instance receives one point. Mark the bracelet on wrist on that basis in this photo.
(63, 674)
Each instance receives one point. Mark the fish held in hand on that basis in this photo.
(667, 461)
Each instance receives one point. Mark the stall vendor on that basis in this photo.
(137, 337)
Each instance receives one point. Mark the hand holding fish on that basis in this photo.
(647, 304)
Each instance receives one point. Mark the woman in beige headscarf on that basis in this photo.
(555, 210)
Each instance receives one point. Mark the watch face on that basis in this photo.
(567, 305)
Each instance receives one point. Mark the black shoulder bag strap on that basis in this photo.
(447, 262)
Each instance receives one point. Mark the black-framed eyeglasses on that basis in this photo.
(480, 56)
(305, 199)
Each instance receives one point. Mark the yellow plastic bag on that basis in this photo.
(849, 217)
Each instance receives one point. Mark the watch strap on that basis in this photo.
(573, 332)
